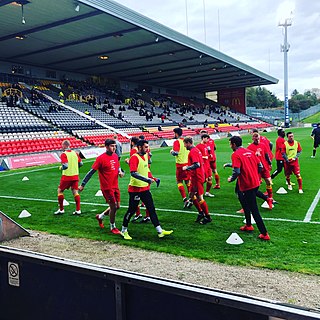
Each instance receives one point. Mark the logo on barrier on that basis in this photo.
(235, 101)
(13, 274)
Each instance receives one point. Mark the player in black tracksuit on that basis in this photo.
(315, 135)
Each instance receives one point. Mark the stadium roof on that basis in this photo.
(57, 37)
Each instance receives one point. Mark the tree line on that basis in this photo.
(261, 98)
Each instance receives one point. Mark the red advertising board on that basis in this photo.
(233, 98)
(32, 160)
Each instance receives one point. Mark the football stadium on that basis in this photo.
(80, 81)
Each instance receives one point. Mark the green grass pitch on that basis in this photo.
(294, 244)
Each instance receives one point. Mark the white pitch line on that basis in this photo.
(164, 210)
(312, 207)
(5, 174)
(25, 172)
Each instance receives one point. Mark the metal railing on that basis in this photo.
(275, 116)
(37, 286)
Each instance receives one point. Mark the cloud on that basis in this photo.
(248, 31)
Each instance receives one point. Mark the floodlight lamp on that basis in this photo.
(23, 21)
(285, 13)
(156, 39)
(77, 8)
(285, 22)
(200, 56)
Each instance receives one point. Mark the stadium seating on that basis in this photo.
(12, 147)
(47, 128)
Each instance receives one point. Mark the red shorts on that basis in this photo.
(265, 173)
(111, 195)
(182, 175)
(197, 187)
(73, 184)
(208, 172)
(213, 165)
(291, 167)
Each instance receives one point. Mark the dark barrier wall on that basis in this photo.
(234, 98)
(35, 286)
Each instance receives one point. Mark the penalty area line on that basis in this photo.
(163, 210)
(312, 207)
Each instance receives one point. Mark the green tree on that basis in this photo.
(261, 98)
(299, 102)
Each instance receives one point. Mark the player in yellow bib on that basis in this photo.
(70, 163)
(291, 151)
(180, 152)
(139, 188)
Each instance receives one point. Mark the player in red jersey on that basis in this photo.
(260, 150)
(291, 151)
(70, 163)
(138, 216)
(266, 141)
(181, 154)
(197, 176)
(245, 168)
(203, 147)
(213, 160)
(139, 188)
(108, 167)
(278, 153)
(134, 150)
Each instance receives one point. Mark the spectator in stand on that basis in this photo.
(315, 135)
(87, 112)
(10, 101)
(160, 128)
(107, 164)
(61, 97)
(52, 108)
(141, 112)
(70, 163)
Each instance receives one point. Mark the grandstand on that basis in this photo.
(56, 82)
(85, 123)
(121, 93)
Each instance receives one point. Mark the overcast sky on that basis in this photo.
(249, 33)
